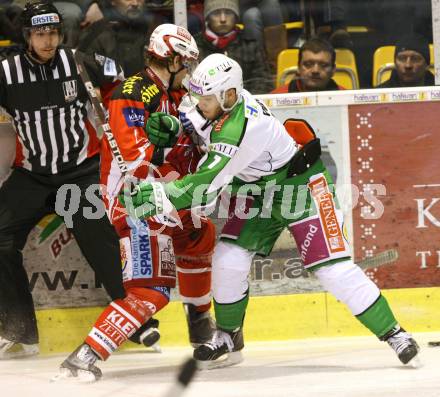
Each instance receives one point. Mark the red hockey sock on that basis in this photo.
(122, 318)
(195, 282)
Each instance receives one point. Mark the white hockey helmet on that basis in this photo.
(216, 74)
(169, 39)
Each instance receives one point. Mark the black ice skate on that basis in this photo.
(403, 344)
(201, 327)
(80, 365)
(223, 350)
(10, 350)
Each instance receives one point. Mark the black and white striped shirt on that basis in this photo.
(50, 110)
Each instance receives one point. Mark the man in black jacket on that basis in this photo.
(57, 144)
(121, 35)
(412, 59)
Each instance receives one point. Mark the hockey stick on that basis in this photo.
(104, 126)
(383, 258)
(186, 373)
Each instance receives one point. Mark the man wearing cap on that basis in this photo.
(221, 35)
(412, 59)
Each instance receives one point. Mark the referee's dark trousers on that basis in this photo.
(25, 198)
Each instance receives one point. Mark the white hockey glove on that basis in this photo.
(193, 122)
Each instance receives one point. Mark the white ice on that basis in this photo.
(337, 367)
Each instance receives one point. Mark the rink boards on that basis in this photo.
(370, 138)
(268, 318)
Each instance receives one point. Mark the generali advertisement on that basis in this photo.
(394, 152)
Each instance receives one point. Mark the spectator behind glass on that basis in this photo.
(259, 14)
(121, 35)
(412, 59)
(77, 14)
(316, 67)
(163, 11)
(329, 19)
(221, 35)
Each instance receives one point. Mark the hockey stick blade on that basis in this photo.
(434, 344)
(186, 373)
(104, 126)
(384, 258)
(96, 103)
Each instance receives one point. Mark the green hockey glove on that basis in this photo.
(163, 129)
(147, 199)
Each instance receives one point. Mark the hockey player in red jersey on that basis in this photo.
(153, 249)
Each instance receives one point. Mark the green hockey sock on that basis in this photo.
(378, 318)
(229, 316)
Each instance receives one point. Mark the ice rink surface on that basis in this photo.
(337, 367)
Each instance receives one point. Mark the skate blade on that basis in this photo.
(415, 362)
(156, 347)
(25, 353)
(230, 359)
(81, 377)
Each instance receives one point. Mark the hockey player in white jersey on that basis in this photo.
(248, 150)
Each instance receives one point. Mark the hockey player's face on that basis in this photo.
(315, 70)
(410, 67)
(181, 67)
(178, 78)
(44, 42)
(210, 107)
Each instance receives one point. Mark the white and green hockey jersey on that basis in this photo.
(245, 145)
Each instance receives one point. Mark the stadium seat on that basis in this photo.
(346, 74)
(277, 38)
(294, 25)
(358, 29)
(287, 65)
(383, 63)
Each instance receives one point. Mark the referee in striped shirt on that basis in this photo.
(56, 144)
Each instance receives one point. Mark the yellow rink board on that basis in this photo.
(268, 318)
